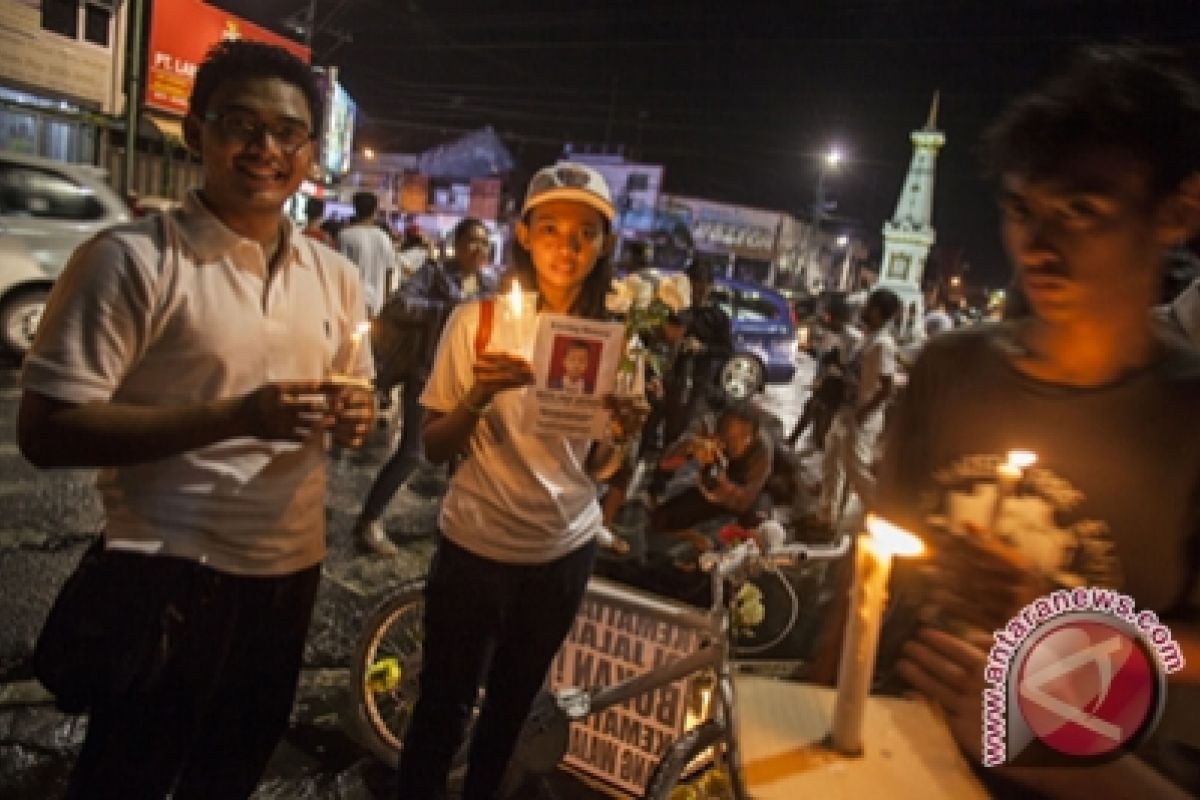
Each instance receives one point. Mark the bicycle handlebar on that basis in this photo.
(729, 562)
(792, 553)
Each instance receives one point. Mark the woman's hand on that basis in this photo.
(628, 415)
(495, 372)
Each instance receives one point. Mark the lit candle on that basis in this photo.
(868, 594)
(1008, 476)
(355, 342)
(516, 299)
(514, 329)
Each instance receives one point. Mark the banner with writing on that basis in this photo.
(610, 642)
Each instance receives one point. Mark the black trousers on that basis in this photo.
(204, 705)
(492, 625)
(395, 472)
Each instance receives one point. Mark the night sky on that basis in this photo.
(737, 99)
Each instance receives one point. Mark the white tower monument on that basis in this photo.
(909, 235)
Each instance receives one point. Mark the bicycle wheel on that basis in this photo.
(675, 778)
(384, 672)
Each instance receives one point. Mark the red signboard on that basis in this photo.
(181, 33)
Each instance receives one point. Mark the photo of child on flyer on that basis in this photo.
(573, 365)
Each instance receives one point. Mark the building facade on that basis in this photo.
(61, 76)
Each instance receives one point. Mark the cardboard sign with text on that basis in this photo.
(611, 642)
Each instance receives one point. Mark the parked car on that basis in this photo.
(47, 209)
(764, 336)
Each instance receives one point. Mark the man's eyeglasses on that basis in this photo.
(244, 127)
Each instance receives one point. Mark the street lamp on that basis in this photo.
(829, 163)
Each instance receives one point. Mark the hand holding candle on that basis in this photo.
(356, 338)
(349, 398)
(868, 595)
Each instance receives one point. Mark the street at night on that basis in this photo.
(50, 517)
(673, 400)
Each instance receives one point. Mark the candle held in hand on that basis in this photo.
(356, 338)
(868, 595)
(515, 324)
(1008, 476)
(515, 299)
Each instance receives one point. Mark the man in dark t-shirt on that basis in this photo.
(1099, 176)
(707, 344)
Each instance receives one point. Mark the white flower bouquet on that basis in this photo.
(645, 304)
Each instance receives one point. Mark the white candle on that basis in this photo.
(1008, 475)
(515, 299)
(515, 325)
(868, 594)
(355, 342)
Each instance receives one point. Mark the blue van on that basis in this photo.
(764, 336)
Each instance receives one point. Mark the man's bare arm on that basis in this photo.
(55, 433)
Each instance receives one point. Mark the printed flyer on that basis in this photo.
(575, 364)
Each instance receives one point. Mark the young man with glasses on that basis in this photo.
(186, 356)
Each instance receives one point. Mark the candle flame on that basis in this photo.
(515, 298)
(892, 539)
(1021, 459)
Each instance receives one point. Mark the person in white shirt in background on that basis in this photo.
(850, 445)
(371, 249)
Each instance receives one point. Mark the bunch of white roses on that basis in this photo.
(636, 293)
(645, 303)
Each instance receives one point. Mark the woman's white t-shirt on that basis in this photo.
(518, 498)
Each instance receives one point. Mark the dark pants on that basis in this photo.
(820, 410)
(395, 472)
(492, 625)
(207, 702)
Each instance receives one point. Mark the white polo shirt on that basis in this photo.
(519, 498)
(170, 311)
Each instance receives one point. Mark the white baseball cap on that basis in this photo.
(567, 180)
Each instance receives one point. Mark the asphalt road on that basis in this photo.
(46, 520)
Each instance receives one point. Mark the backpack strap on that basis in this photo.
(483, 333)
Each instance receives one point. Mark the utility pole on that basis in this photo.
(133, 94)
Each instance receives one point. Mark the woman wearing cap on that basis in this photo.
(520, 518)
